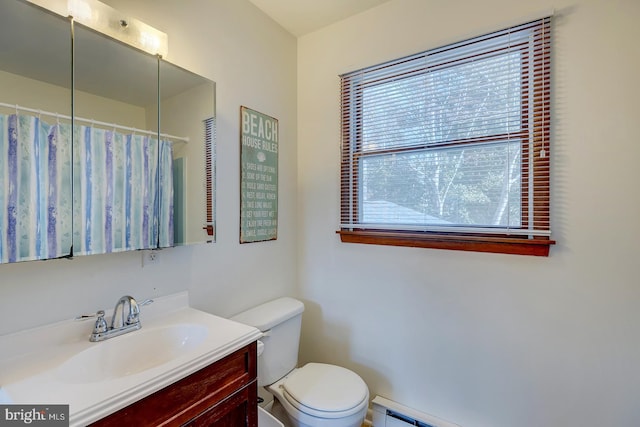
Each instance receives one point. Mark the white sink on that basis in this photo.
(131, 353)
(56, 364)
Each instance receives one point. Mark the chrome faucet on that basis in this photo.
(126, 318)
(118, 321)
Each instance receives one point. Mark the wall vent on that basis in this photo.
(387, 413)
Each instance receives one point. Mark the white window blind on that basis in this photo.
(451, 140)
(209, 156)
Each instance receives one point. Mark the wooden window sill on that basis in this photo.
(496, 244)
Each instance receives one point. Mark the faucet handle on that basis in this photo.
(99, 313)
(101, 324)
(134, 312)
(145, 302)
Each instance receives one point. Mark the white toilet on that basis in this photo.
(315, 395)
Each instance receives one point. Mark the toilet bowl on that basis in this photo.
(319, 395)
(314, 395)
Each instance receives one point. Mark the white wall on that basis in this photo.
(487, 340)
(253, 61)
(481, 339)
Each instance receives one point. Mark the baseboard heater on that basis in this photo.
(387, 413)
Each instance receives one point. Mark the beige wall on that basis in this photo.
(487, 340)
(253, 62)
(38, 95)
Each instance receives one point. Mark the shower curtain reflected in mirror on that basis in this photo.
(35, 189)
(120, 199)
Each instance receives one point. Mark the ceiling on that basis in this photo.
(300, 17)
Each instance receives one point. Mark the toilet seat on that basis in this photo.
(325, 391)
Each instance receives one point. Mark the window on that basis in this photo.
(449, 148)
(209, 156)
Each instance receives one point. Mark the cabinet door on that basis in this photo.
(115, 148)
(187, 109)
(240, 410)
(226, 388)
(35, 134)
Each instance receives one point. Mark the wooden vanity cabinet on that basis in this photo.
(223, 394)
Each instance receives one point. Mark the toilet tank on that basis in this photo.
(280, 321)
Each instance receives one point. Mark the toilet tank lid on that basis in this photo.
(270, 314)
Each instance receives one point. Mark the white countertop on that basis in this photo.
(30, 360)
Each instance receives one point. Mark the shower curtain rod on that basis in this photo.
(94, 122)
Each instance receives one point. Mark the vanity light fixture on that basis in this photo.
(107, 20)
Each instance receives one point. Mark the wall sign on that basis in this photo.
(259, 176)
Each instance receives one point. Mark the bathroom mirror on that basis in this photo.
(116, 147)
(187, 108)
(132, 170)
(35, 134)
